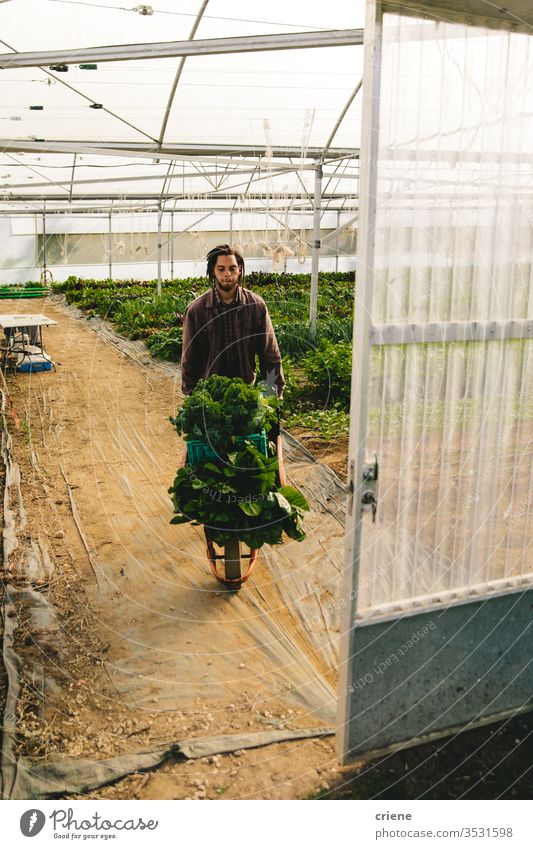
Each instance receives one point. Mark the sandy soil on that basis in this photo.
(333, 454)
(96, 454)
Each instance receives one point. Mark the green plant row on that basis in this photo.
(254, 279)
(139, 313)
(317, 366)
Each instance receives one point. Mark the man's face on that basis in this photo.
(227, 275)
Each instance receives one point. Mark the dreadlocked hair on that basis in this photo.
(223, 250)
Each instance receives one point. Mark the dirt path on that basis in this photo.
(147, 648)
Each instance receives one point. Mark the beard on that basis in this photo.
(228, 286)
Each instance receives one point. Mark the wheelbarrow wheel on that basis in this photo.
(232, 561)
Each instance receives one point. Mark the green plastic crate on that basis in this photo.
(198, 451)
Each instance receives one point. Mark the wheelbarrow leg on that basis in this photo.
(233, 578)
(232, 560)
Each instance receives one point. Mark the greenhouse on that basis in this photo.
(372, 164)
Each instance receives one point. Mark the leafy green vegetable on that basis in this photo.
(251, 508)
(330, 424)
(221, 408)
(294, 497)
(239, 495)
(239, 498)
(329, 368)
(166, 344)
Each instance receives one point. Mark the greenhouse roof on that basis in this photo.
(85, 120)
(215, 103)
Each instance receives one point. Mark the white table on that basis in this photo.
(19, 320)
(23, 323)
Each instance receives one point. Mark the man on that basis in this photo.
(225, 328)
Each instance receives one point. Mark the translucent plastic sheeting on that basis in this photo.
(265, 99)
(175, 635)
(455, 175)
(61, 775)
(452, 422)
(452, 425)
(24, 778)
(93, 248)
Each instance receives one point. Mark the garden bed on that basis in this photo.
(317, 366)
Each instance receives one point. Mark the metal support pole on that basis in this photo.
(337, 241)
(231, 228)
(110, 247)
(317, 202)
(159, 218)
(167, 245)
(43, 275)
(172, 245)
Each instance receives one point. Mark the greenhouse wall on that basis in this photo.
(83, 246)
(19, 254)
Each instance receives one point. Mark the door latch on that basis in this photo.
(369, 495)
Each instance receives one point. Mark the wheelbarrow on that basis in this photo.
(233, 563)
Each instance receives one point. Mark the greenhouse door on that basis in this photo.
(437, 606)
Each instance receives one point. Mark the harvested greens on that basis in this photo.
(238, 495)
(221, 408)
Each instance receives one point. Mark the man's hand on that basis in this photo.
(271, 381)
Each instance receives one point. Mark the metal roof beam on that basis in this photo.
(63, 82)
(170, 49)
(179, 73)
(96, 180)
(145, 150)
(207, 196)
(97, 211)
(342, 116)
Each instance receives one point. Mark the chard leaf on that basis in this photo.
(283, 503)
(211, 467)
(251, 508)
(294, 497)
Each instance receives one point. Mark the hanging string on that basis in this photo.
(302, 248)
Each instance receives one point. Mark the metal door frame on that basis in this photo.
(361, 354)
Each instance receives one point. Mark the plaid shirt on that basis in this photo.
(228, 364)
(248, 333)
